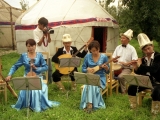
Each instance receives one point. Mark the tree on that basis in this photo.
(139, 15)
(146, 15)
(24, 4)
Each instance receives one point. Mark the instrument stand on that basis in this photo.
(27, 83)
(87, 79)
(139, 81)
(69, 62)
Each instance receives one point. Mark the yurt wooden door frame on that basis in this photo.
(100, 34)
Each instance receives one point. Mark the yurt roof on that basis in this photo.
(68, 13)
(6, 9)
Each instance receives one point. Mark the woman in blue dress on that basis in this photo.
(91, 95)
(38, 99)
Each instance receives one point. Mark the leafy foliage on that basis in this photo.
(140, 16)
(146, 14)
(24, 4)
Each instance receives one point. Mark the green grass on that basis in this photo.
(117, 106)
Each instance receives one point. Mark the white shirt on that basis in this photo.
(38, 34)
(64, 49)
(126, 54)
(149, 61)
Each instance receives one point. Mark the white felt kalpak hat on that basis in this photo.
(128, 34)
(66, 38)
(143, 40)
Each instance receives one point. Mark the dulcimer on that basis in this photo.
(31, 73)
(98, 67)
(67, 70)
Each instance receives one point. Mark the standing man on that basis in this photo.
(42, 37)
(149, 65)
(67, 49)
(127, 54)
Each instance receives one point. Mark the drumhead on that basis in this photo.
(116, 66)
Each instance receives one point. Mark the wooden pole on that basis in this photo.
(11, 21)
(0, 70)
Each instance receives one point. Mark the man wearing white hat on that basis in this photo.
(127, 54)
(149, 65)
(67, 49)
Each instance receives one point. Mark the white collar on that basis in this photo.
(152, 56)
(64, 49)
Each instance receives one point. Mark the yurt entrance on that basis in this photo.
(100, 34)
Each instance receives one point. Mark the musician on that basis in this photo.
(91, 95)
(38, 99)
(127, 54)
(66, 49)
(148, 65)
(42, 38)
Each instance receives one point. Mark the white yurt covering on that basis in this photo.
(75, 17)
(9, 12)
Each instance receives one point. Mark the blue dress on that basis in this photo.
(92, 94)
(38, 99)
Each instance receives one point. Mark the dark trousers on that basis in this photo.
(132, 90)
(57, 75)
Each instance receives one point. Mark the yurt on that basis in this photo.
(9, 12)
(79, 18)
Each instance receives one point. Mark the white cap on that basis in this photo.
(128, 34)
(143, 40)
(66, 38)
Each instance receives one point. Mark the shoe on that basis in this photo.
(124, 92)
(73, 87)
(89, 108)
(62, 90)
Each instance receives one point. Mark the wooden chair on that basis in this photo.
(112, 83)
(46, 55)
(105, 91)
(146, 93)
(3, 85)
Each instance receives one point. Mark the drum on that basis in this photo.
(117, 68)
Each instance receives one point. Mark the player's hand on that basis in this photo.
(33, 66)
(8, 78)
(90, 70)
(104, 66)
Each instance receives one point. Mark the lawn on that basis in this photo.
(117, 106)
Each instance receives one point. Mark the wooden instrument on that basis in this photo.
(67, 70)
(98, 67)
(9, 87)
(117, 68)
(31, 73)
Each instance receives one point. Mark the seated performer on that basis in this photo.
(149, 65)
(38, 98)
(91, 95)
(127, 54)
(67, 49)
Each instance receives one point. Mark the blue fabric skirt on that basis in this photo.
(92, 94)
(38, 99)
